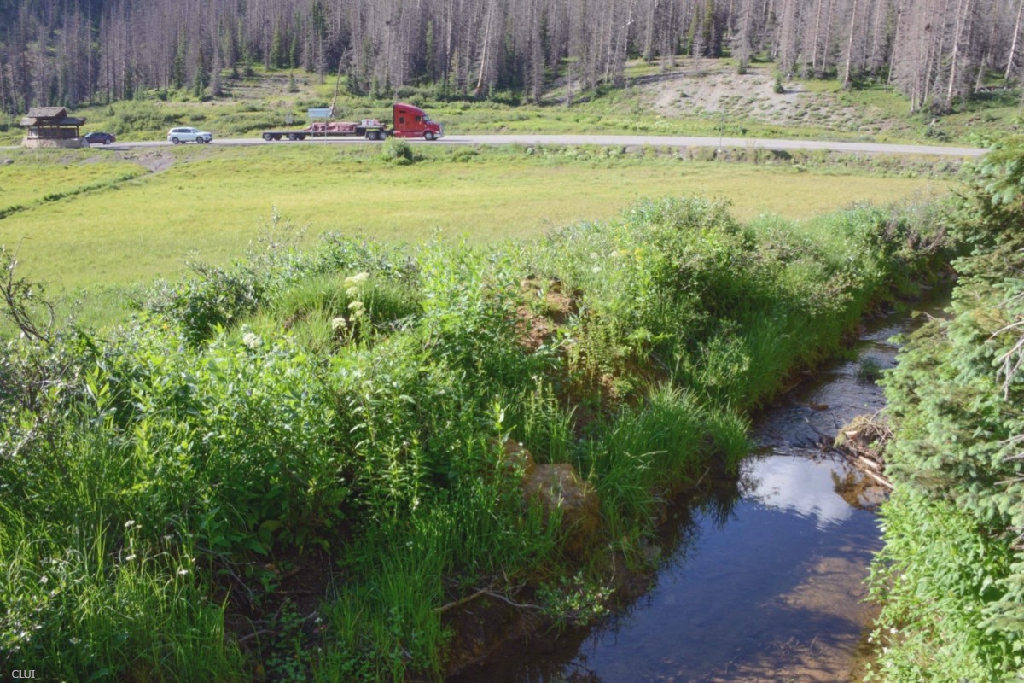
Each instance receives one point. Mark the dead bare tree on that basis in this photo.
(961, 46)
(934, 50)
(852, 42)
(1011, 58)
(742, 37)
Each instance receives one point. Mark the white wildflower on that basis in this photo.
(338, 324)
(129, 524)
(183, 572)
(251, 340)
(357, 279)
(130, 558)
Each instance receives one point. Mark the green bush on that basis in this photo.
(212, 300)
(950, 577)
(397, 151)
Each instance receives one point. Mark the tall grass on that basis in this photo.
(86, 594)
(648, 452)
(358, 402)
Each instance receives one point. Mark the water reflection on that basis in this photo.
(803, 487)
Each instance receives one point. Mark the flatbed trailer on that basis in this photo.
(371, 129)
(407, 121)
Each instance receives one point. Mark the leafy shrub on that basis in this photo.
(397, 151)
(935, 575)
(213, 299)
(464, 154)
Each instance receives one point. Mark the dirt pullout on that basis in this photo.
(707, 88)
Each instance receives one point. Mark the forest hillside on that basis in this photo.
(86, 51)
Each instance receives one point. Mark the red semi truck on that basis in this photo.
(407, 121)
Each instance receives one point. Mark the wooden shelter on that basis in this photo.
(52, 127)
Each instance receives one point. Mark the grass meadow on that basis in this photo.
(35, 179)
(100, 220)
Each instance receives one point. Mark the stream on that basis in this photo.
(763, 580)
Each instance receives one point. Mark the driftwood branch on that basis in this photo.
(1011, 367)
(869, 461)
(256, 634)
(871, 470)
(489, 593)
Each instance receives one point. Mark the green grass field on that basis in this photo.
(45, 176)
(209, 203)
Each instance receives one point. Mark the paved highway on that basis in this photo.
(741, 143)
(617, 140)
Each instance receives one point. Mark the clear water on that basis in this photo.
(764, 581)
(767, 593)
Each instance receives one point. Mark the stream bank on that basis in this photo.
(763, 578)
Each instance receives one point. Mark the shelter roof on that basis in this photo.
(50, 116)
(47, 112)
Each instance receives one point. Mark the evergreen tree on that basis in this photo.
(178, 70)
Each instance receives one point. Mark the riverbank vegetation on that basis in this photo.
(303, 463)
(950, 577)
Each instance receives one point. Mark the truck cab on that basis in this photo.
(412, 122)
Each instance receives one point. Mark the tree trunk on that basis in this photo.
(848, 67)
(1011, 59)
(936, 50)
(830, 12)
(484, 56)
(961, 31)
(896, 41)
(448, 46)
(816, 38)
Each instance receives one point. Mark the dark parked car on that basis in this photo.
(98, 137)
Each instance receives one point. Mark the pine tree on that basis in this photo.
(178, 70)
